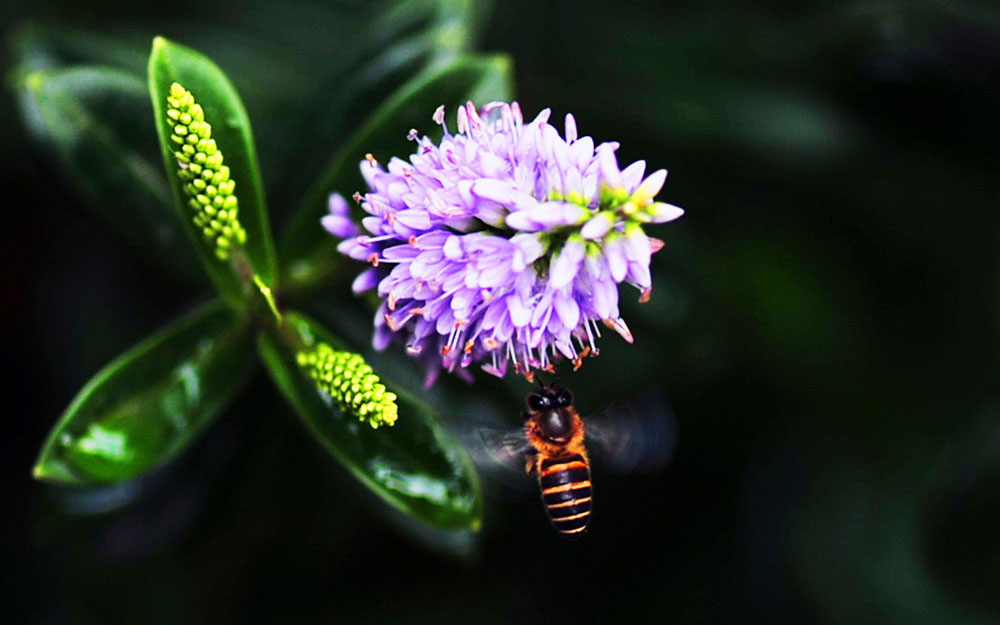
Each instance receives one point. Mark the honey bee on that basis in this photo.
(559, 459)
(630, 437)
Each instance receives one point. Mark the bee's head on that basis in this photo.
(546, 405)
(549, 397)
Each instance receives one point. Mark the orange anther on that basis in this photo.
(389, 321)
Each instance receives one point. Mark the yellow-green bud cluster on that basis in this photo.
(348, 379)
(207, 184)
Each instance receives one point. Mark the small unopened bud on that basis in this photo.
(350, 381)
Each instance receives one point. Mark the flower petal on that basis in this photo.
(650, 186)
(566, 264)
(632, 175)
(614, 253)
(608, 166)
(598, 226)
(567, 309)
(520, 314)
(365, 281)
(339, 226)
(661, 212)
(570, 128)
(337, 205)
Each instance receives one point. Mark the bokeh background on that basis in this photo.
(824, 324)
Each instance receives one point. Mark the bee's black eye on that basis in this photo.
(538, 402)
(564, 398)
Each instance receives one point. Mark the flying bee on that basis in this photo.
(637, 436)
(558, 458)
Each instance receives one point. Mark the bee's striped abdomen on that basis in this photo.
(566, 493)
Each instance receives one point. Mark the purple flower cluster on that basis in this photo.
(503, 244)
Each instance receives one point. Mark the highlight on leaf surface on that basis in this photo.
(152, 402)
(349, 380)
(207, 184)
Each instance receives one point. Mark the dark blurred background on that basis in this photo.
(824, 323)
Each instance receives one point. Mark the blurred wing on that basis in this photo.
(499, 448)
(499, 455)
(636, 436)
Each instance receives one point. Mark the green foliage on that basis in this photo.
(95, 120)
(171, 63)
(415, 466)
(151, 402)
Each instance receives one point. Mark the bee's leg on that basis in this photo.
(531, 459)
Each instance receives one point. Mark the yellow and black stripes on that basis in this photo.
(566, 493)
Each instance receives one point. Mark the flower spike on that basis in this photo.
(207, 184)
(504, 243)
(349, 380)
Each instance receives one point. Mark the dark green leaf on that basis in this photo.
(45, 46)
(168, 63)
(151, 402)
(309, 251)
(415, 465)
(391, 43)
(96, 122)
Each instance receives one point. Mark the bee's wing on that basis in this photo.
(498, 448)
(499, 454)
(636, 436)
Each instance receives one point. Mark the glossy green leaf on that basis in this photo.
(95, 121)
(168, 63)
(151, 402)
(415, 465)
(308, 251)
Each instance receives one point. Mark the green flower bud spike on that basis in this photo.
(349, 380)
(206, 180)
